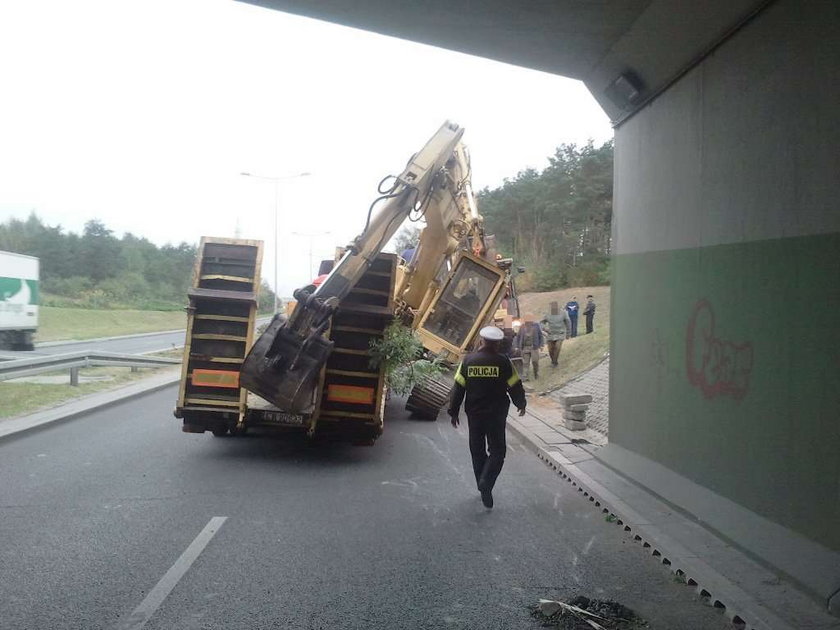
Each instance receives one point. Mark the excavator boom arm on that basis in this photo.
(284, 363)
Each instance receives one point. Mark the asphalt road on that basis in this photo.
(106, 515)
(134, 344)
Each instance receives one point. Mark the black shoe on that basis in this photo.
(487, 498)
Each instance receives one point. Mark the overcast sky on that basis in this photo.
(144, 114)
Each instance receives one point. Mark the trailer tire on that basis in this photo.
(236, 431)
(220, 432)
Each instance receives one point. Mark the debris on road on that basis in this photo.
(582, 613)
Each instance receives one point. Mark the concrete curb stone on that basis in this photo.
(580, 416)
(574, 425)
(572, 398)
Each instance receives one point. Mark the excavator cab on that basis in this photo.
(464, 304)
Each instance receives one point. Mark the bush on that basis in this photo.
(401, 353)
(554, 276)
(589, 275)
(71, 287)
(129, 287)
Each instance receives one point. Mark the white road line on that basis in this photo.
(160, 592)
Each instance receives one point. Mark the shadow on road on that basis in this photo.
(269, 445)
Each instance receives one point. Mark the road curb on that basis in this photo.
(21, 425)
(736, 604)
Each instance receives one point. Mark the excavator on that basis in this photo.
(310, 371)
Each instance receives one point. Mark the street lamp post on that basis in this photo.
(311, 236)
(276, 181)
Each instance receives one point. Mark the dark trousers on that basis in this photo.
(589, 319)
(487, 432)
(554, 350)
(574, 325)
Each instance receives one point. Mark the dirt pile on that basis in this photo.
(583, 613)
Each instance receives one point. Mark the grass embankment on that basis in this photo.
(58, 324)
(580, 353)
(24, 398)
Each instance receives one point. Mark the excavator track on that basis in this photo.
(430, 396)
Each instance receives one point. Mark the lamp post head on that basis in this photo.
(277, 178)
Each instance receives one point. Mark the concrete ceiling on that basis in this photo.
(649, 42)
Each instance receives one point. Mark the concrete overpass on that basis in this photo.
(725, 383)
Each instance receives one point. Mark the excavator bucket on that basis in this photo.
(283, 370)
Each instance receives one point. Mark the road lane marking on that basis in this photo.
(160, 592)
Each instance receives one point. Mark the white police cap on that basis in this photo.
(491, 333)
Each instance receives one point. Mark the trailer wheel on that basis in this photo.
(220, 432)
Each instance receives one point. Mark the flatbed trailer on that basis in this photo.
(347, 405)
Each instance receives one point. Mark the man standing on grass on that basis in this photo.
(557, 327)
(489, 382)
(529, 341)
(589, 313)
(572, 307)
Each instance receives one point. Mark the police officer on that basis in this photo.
(487, 378)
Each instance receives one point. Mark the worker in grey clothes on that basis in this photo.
(529, 341)
(557, 326)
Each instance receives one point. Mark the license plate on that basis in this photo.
(282, 417)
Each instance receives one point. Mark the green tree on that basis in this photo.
(100, 252)
(266, 300)
(558, 221)
(407, 237)
(98, 270)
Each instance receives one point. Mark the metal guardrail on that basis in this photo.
(74, 361)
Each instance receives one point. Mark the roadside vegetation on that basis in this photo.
(28, 396)
(98, 270)
(21, 398)
(556, 222)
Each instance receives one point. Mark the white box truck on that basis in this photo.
(18, 301)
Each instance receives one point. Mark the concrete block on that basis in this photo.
(574, 425)
(580, 416)
(578, 407)
(574, 399)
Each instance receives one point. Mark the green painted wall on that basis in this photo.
(725, 364)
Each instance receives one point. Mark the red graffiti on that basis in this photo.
(717, 367)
